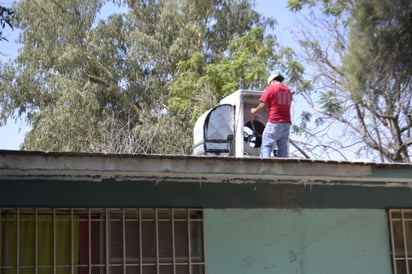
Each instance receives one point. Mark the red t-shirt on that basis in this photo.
(278, 98)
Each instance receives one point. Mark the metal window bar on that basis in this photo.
(189, 243)
(392, 237)
(157, 241)
(54, 241)
(107, 242)
(18, 241)
(124, 242)
(71, 241)
(1, 240)
(405, 241)
(173, 241)
(166, 218)
(399, 216)
(140, 242)
(36, 240)
(89, 238)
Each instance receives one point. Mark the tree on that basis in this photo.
(200, 85)
(250, 59)
(6, 18)
(90, 84)
(361, 76)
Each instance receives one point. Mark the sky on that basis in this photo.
(12, 134)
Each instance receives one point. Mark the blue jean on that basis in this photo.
(275, 133)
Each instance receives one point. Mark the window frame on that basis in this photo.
(97, 225)
(400, 223)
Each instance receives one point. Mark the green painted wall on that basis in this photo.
(307, 241)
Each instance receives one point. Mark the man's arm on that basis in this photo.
(259, 108)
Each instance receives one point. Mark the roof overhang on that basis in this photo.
(41, 179)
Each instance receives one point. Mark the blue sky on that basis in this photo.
(12, 135)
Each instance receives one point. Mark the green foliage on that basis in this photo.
(199, 86)
(369, 71)
(295, 5)
(189, 95)
(6, 17)
(70, 121)
(305, 118)
(380, 31)
(330, 103)
(377, 62)
(81, 79)
(330, 7)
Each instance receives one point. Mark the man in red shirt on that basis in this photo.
(277, 99)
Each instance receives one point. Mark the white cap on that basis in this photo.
(277, 76)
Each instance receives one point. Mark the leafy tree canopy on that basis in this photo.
(361, 75)
(6, 18)
(87, 83)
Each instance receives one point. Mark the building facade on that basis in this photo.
(100, 213)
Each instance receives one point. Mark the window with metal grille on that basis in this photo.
(94, 240)
(400, 223)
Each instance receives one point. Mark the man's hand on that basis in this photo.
(259, 108)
